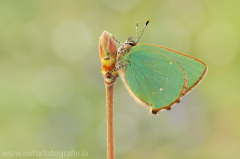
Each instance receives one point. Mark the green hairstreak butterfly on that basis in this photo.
(156, 76)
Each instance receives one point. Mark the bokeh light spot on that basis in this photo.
(53, 86)
(71, 40)
(123, 6)
(219, 43)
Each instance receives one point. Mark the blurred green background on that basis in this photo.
(52, 93)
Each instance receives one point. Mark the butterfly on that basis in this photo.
(156, 76)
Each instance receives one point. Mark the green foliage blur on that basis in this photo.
(52, 93)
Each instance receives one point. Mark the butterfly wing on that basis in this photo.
(195, 68)
(159, 77)
(153, 79)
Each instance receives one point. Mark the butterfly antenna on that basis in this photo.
(117, 41)
(142, 31)
(136, 30)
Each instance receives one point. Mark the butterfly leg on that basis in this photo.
(112, 53)
(120, 51)
(118, 41)
(118, 68)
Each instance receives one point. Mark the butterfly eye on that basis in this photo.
(132, 43)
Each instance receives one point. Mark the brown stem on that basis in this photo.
(110, 124)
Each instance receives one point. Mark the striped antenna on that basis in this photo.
(142, 31)
(136, 30)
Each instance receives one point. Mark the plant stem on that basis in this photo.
(110, 123)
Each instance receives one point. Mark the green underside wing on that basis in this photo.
(159, 77)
